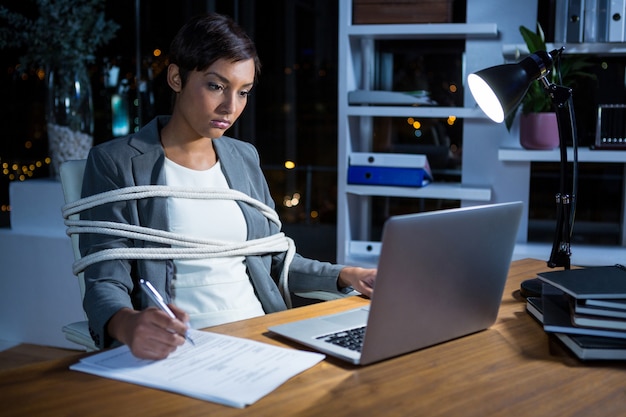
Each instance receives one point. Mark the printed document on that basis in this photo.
(224, 369)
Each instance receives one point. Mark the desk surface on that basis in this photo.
(511, 369)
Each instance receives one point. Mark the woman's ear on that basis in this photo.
(173, 78)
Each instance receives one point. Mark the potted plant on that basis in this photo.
(538, 123)
(59, 43)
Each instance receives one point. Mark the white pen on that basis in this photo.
(154, 295)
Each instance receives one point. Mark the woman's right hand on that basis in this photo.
(151, 333)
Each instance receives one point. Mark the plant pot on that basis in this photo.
(69, 114)
(539, 131)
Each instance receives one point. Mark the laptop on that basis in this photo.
(441, 275)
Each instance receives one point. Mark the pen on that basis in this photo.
(154, 295)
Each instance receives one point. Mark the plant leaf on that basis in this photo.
(535, 41)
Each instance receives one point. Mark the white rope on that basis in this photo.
(146, 191)
(188, 247)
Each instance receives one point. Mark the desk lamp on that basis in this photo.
(498, 91)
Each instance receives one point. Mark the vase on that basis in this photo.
(69, 114)
(539, 131)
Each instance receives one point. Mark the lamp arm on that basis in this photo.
(566, 201)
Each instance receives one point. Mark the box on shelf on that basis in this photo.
(404, 170)
(401, 11)
(611, 127)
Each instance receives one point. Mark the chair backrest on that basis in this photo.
(71, 174)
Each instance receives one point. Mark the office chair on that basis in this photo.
(71, 174)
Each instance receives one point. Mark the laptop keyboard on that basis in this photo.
(351, 339)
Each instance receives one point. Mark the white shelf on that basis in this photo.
(517, 51)
(363, 253)
(424, 31)
(582, 255)
(443, 190)
(418, 98)
(416, 111)
(584, 155)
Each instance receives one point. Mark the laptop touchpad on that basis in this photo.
(350, 318)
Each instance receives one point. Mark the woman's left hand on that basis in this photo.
(361, 279)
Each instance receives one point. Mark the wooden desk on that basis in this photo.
(512, 369)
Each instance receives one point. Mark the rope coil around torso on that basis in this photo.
(188, 247)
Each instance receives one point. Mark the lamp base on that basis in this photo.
(531, 288)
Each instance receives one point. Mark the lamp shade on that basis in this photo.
(498, 90)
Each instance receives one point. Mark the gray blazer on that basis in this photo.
(138, 159)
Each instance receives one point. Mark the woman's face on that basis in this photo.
(213, 99)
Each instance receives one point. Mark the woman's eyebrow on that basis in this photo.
(224, 79)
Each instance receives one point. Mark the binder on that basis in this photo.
(391, 160)
(560, 21)
(616, 29)
(575, 17)
(569, 22)
(403, 170)
(596, 21)
(365, 248)
(401, 177)
(590, 22)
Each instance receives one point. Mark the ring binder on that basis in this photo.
(404, 170)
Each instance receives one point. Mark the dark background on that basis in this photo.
(292, 114)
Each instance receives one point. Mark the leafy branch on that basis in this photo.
(68, 31)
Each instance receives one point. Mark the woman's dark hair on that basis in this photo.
(207, 38)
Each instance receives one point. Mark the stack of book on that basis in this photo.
(585, 309)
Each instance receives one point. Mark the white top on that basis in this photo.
(216, 290)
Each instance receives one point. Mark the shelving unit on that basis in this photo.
(449, 191)
(584, 155)
(522, 158)
(359, 103)
(494, 166)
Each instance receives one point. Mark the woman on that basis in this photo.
(213, 67)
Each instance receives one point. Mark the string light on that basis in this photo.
(17, 171)
(291, 201)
